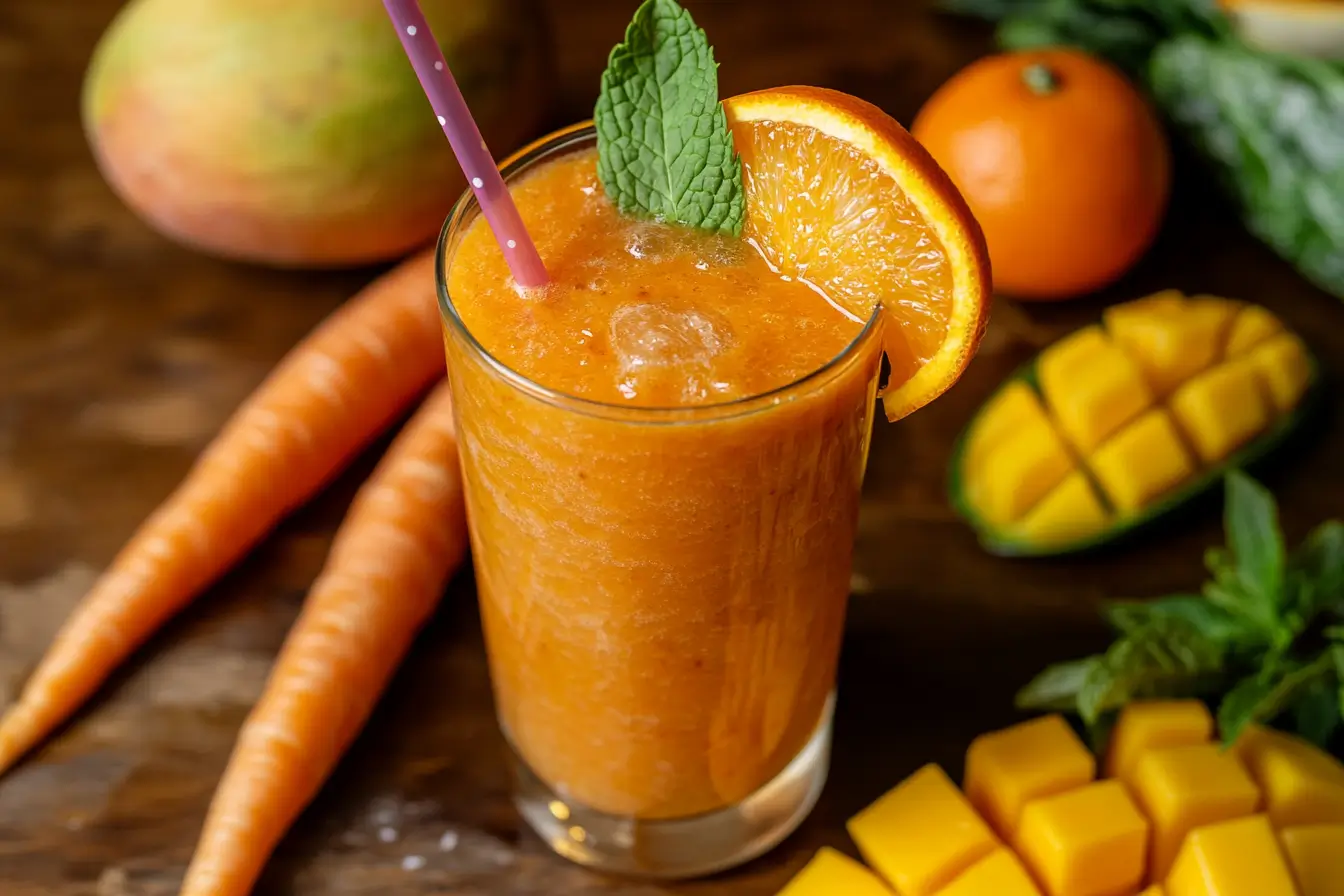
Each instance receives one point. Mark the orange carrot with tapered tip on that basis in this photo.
(404, 535)
(330, 396)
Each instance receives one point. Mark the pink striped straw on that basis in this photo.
(468, 145)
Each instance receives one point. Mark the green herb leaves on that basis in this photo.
(1252, 523)
(1232, 102)
(1266, 633)
(664, 148)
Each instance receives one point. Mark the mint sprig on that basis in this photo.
(663, 144)
(1263, 640)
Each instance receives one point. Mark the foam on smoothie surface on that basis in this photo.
(638, 312)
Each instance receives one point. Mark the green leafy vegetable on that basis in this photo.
(1129, 617)
(1272, 126)
(664, 148)
(1264, 639)
(1168, 657)
(1338, 652)
(1252, 523)
(1057, 688)
(1263, 697)
(1269, 125)
(1320, 562)
(1123, 31)
(1318, 714)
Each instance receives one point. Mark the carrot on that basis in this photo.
(404, 535)
(330, 396)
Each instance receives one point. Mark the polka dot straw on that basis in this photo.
(450, 108)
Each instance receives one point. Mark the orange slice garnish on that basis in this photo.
(841, 196)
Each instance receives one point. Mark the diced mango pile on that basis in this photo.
(1173, 814)
(1125, 413)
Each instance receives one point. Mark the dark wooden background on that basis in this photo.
(121, 354)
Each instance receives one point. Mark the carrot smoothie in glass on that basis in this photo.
(663, 451)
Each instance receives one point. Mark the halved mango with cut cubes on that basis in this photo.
(1171, 338)
(1122, 421)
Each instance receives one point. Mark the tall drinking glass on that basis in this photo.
(663, 591)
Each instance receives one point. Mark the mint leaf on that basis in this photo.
(1216, 623)
(1317, 712)
(1337, 651)
(664, 148)
(1319, 562)
(1264, 696)
(1168, 658)
(1253, 536)
(1056, 688)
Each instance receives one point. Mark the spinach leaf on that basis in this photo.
(1272, 128)
(1125, 32)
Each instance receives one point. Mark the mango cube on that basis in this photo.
(1316, 855)
(1013, 407)
(1232, 858)
(1092, 387)
(1028, 463)
(1221, 410)
(1146, 725)
(1250, 328)
(998, 874)
(1184, 788)
(1284, 368)
(1171, 340)
(1087, 842)
(922, 834)
(1142, 462)
(1302, 784)
(1007, 769)
(832, 873)
(1154, 890)
(1070, 512)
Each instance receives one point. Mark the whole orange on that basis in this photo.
(1061, 160)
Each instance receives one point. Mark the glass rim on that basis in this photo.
(454, 226)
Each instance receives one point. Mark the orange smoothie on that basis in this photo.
(663, 451)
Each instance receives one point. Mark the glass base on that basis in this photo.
(683, 847)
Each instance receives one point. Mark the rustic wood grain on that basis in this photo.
(120, 354)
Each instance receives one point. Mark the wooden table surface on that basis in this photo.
(121, 354)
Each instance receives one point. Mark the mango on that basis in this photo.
(831, 873)
(999, 874)
(1007, 769)
(1171, 338)
(1187, 787)
(922, 834)
(1316, 854)
(1233, 858)
(1147, 725)
(296, 134)
(1091, 841)
(1092, 387)
(1120, 422)
(1302, 784)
